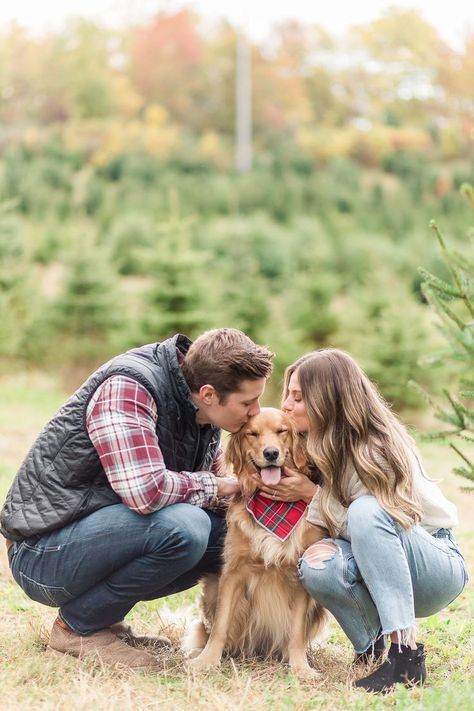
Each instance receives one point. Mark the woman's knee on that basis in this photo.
(317, 568)
(362, 513)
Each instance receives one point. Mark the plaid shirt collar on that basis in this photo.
(277, 517)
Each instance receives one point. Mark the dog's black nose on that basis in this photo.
(271, 453)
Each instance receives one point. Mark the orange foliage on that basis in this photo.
(368, 146)
(371, 93)
(165, 59)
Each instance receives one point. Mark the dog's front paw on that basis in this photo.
(304, 672)
(193, 653)
(203, 662)
(308, 674)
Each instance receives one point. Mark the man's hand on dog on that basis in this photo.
(293, 486)
(227, 485)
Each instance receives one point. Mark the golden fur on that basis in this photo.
(258, 607)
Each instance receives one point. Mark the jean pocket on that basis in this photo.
(40, 549)
(51, 595)
(443, 544)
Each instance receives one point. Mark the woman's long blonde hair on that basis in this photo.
(349, 422)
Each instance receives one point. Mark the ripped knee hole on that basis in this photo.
(318, 553)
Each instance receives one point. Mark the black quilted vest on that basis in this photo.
(62, 479)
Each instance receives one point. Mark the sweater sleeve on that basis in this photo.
(355, 488)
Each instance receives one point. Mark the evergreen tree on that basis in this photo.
(387, 331)
(244, 294)
(19, 302)
(87, 313)
(453, 302)
(176, 301)
(312, 312)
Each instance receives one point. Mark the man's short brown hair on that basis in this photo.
(223, 358)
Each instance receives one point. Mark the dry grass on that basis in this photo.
(31, 677)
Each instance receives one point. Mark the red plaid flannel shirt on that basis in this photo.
(121, 422)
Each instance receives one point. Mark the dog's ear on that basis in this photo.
(233, 452)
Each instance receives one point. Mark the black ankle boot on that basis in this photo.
(372, 654)
(404, 667)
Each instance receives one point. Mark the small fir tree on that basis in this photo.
(312, 312)
(87, 312)
(20, 302)
(175, 302)
(387, 331)
(244, 295)
(453, 302)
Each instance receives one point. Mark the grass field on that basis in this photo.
(32, 678)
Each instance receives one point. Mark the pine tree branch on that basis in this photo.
(454, 273)
(440, 285)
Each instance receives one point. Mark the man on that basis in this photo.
(113, 503)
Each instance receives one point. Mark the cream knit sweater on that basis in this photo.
(438, 512)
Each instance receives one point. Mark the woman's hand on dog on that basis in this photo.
(227, 485)
(293, 486)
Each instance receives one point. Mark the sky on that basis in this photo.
(452, 18)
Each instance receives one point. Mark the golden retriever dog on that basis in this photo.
(257, 606)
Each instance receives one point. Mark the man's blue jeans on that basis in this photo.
(96, 569)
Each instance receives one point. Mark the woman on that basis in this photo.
(391, 556)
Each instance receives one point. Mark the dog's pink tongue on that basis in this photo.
(270, 475)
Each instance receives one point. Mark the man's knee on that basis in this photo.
(195, 529)
(185, 528)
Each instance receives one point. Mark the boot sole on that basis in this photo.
(118, 666)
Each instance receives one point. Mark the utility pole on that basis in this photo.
(243, 104)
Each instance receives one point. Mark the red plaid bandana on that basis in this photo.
(277, 517)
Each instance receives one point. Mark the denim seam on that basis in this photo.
(441, 544)
(47, 590)
(409, 588)
(345, 569)
(43, 549)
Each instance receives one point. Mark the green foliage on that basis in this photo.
(453, 303)
(387, 330)
(175, 302)
(243, 294)
(312, 311)
(130, 238)
(20, 303)
(290, 256)
(87, 311)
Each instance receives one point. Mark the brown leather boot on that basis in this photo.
(104, 645)
(127, 635)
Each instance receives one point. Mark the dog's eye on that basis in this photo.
(282, 432)
(251, 434)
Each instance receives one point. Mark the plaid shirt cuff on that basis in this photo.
(206, 495)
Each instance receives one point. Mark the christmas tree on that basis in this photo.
(453, 302)
(175, 301)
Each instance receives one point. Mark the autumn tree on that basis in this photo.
(166, 60)
(405, 47)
